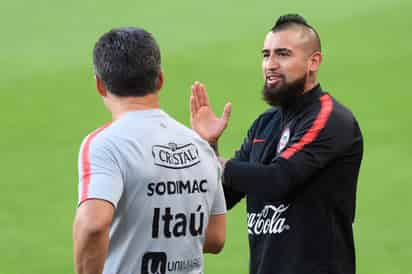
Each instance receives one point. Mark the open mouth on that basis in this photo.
(273, 80)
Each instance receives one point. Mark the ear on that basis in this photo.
(160, 81)
(100, 86)
(314, 61)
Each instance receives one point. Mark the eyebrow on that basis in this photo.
(277, 50)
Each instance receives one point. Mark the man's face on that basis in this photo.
(284, 66)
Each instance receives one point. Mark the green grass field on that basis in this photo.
(48, 104)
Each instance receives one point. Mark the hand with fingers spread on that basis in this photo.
(202, 118)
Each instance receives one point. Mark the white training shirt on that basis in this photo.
(164, 182)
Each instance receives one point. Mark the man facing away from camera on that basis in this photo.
(150, 192)
(299, 163)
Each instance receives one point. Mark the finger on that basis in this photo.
(203, 99)
(195, 97)
(227, 110)
(193, 108)
(197, 94)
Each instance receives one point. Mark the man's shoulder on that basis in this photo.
(327, 108)
(184, 130)
(269, 112)
(266, 116)
(187, 134)
(336, 117)
(101, 141)
(341, 112)
(97, 135)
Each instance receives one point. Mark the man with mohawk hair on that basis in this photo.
(298, 165)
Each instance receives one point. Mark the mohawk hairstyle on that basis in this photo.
(291, 19)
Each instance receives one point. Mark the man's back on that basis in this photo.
(164, 182)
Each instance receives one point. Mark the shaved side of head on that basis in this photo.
(294, 22)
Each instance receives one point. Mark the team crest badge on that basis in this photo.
(284, 139)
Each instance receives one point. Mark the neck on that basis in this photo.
(310, 84)
(119, 106)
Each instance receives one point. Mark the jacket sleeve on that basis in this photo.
(233, 196)
(316, 141)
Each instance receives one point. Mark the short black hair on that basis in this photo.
(289, 20)
(128, 61)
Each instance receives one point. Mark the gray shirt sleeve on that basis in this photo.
(99, 174)
(219, 204)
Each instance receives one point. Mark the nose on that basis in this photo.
(272, 63)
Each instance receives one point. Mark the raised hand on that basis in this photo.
(202, 118)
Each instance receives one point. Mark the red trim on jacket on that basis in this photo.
(313, 132)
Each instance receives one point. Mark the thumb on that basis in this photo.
(227, 110)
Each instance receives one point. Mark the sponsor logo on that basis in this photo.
(268, 221)
(154, 263)
(284, 139)
(177, 224)
(185, 266)
(175, 156)
(157, 263)
(177, 187)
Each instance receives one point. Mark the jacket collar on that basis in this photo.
(303, 100)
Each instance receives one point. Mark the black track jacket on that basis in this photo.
(298, 169)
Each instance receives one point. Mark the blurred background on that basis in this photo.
(49, 104)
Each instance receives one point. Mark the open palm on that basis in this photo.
(202, 118)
